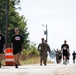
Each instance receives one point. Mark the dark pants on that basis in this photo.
(74, 59)
(43, 59)
(57, 58)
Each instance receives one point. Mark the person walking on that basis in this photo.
(60, 56)
(65, 51)
(2, 46)
(57, 56)
(43, 48)
(17, 45)
(74, 56)
(68, 58)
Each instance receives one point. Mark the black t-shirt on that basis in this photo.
(2, 41)
(17, 41)
(65, 47)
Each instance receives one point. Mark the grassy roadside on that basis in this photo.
(33, 60)
(29, 60)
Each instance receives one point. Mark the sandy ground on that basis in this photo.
(36, 69)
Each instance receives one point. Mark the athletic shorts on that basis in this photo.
(1, 51)
(65, 53)
(16, 51)
(60, 57)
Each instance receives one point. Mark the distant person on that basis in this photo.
(2, 46)
(65, 51)
(43, 48)
(68, 57)
(74, 56)
(60, 56)
(57, 56)
(17, 45)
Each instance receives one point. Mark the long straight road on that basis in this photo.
(36, 69)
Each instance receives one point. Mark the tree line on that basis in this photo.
(15, 20)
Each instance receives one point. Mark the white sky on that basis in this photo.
(60, 17)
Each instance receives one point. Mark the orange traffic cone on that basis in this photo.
(9, 58)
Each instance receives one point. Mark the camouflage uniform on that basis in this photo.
(43, 48)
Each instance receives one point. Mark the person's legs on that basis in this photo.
(57, 59)
(64, 60)
(68, 60)
(0, 60)
(45, 61)
(73, 61)
(16, 58)
(65, 57)
(40, 61)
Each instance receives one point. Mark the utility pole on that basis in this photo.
(7, 23)
(46, 33)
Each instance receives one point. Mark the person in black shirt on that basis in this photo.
(17, 45)
(74, 56)
(65, 51)
(2, 46)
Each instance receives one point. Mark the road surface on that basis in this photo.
(36, 69)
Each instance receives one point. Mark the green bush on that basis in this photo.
(31, 51)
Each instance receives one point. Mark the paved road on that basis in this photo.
(50, 69)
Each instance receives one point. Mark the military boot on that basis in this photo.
(0, 65)
(16, 65)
